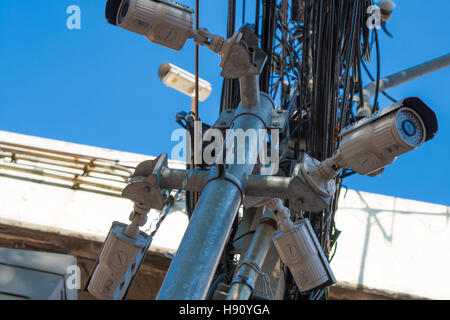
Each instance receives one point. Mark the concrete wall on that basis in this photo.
(53, 205)
(393, 244)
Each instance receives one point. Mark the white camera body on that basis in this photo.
(118, 263)
(369, 145)
(300, 250)
(377, 140)
(163, 22)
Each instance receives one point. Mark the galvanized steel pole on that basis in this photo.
(196, 260)
(246, 274)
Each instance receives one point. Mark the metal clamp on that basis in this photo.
(245, 280)
(277, 120)
(144, 187)
(214, 175)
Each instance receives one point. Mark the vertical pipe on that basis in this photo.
(196, 142)
(191, 271)
(255, 254)
(250, 95)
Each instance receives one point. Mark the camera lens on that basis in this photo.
(410, 127)
(123, 11)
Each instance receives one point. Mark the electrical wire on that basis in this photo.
(373, 79)
(377, 88)
(244, 235)
(318, 54)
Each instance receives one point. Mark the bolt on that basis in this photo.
(279, 111)
(275, 123)
(229, 111)
(223, 122)
(300, 200)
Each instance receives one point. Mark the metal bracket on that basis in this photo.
(245, 280)
(144, 187)
(302, 196)
(278, 119)
(214, 175)
(241, 55)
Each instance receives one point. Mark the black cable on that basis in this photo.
(369, 74)
(228, 96)
(243, 12)
(258, 3)
(347, 64)
(377, 88)
(267, 37)
(348, 174)
(213, 286)
(243, 235)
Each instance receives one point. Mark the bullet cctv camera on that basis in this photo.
(183, 81)
(374, 142)
(162, 21)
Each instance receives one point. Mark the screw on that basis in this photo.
(223, 122)
(279, 111)
(275, 123)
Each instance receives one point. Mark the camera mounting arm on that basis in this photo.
(240, 54)
(170, 24)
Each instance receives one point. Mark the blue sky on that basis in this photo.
(99, 85)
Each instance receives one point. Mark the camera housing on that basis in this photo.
(118, 263)
(377, 140)
(372, 143)
(163, 22)
(300, 250)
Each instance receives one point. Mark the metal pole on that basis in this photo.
(400, 78)
(256, 253)
(196, 142)
(193, 267)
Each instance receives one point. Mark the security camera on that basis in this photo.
(300, 250)
(374, 142)
(169, 24)
(119, 260)
(163, 22)
(183, 81)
